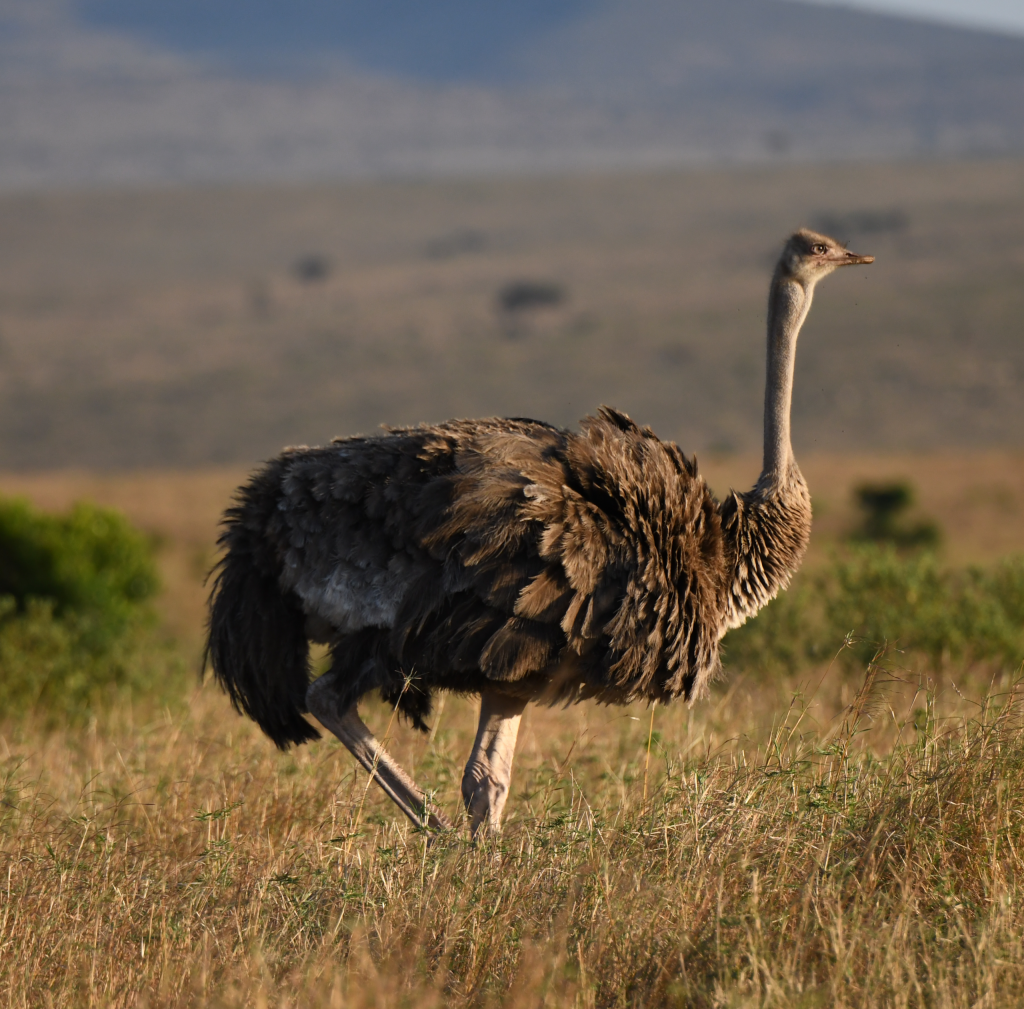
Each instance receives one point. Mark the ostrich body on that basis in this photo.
(505, 558)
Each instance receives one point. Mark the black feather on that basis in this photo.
(257, 642)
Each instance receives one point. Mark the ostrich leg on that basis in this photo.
(486, 780)
(382, 767)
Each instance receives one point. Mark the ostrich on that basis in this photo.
(505, 558)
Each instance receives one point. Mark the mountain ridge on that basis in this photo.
(651, 84)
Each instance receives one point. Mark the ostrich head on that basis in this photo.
(809, 256)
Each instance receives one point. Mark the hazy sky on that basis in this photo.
(1003, 15)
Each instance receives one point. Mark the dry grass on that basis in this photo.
(800, 844)
(854, 849)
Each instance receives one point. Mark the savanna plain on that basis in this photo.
(839, 824)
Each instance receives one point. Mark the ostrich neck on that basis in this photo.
(788, 304)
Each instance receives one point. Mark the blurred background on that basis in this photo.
(228, 227)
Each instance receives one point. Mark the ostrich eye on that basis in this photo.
(819, 249)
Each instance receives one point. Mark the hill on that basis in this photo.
(154, 93)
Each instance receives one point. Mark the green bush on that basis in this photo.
(874, 594)
(90, 560)
(785, 636)
(74, 606)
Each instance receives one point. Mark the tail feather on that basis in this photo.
(257, 644)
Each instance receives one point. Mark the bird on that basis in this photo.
(504, 558)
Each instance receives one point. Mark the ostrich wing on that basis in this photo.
(603, 548)
(506, 547)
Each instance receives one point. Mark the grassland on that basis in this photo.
(843, 836)
(169, 328)
(840, 835)
(833, 846)
(977, 498)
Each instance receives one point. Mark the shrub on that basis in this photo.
(786, 635)
(523, 295)
(875, 594)
(971, 613)
(74, 592)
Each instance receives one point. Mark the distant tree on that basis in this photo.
(519, 299)
(523, 295)
(312, 268)
(883, 509)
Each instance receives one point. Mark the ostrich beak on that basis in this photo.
(852, 259)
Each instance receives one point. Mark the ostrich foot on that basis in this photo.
(488, 774)
(381, 766)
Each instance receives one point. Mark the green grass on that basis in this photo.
(871, 594)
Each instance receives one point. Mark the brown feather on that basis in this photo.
(519, 648)
(500, 548)
(544, 598)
